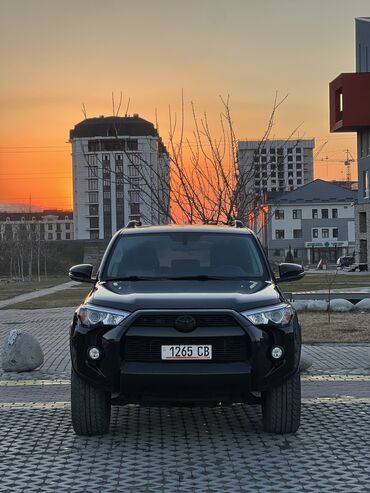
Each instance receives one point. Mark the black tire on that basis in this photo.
(281, 406)
(90, 408)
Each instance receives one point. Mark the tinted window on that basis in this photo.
(186, 254)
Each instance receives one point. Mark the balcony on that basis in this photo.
(350, 102)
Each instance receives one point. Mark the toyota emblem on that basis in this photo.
(185, 323)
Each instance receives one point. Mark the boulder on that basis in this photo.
(340, 305)
(363, 305)
(300, 305)
(21, 352)
(306, 361)
(317, 306)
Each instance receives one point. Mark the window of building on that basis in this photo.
(50, 236)
(263, 159)
(92, 184)
(299, 182)
(106, 194)
(297, 233)
(106, 157)
(68, 236)
(299, 173)
(362, 222)
(298, 150)
(134, 208)
(297, 213)
(94, 235)
(290, 159)
(279, 214)
(59, 236)
(94, 222)
(50, 227)
(272, 150)
(93, 197)
(119, 157)
(335, 232)
(325, 232)
(334, 213)
(263, 151)
(92, 172)
(365, 184)
(315, 233)
(324, 213)
(93, 210)
(290, 150)
(315, 213)
(299, 165)
(106, 183)
(133, 170)
(279, 234)
(298, 157)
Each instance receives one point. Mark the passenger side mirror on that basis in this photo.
(290, 272)
(81, 273)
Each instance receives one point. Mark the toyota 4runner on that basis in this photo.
(185, 315)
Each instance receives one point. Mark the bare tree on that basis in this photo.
(204, 182)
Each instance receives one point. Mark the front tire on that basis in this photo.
(281, 406)
(90, 408)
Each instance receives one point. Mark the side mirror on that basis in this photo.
(290, 272)
(81, 273)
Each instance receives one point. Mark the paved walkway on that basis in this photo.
(182, 450)
(37, 294)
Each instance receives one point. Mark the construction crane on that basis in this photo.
(347, 164)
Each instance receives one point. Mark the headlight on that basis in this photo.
(277, 315)
(91, 316)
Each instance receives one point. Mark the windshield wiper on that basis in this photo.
(133, 278)
(198, 278)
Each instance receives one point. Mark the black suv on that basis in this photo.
(185, 315)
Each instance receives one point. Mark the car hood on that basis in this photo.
(172, 295)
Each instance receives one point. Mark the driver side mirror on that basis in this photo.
(81, 273)
(290, 272)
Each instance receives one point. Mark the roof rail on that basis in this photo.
(238, 224)
(133, 224)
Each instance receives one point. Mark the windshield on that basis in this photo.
(185, 255)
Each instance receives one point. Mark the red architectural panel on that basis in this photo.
(350, 102)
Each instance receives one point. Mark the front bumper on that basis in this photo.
(185, 381)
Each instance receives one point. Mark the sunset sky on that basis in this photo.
(57, 54)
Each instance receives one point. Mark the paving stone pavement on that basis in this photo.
(181, 450)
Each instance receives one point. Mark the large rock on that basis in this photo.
(363, 305)
(306, 361)
(21, 352)
(317, 306)
(340, 305)
(300, 305)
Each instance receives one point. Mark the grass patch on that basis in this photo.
(68, 297)
(11, 289)
(344, 327)
(313, 282)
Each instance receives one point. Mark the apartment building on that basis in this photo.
(316, 221)
(350, 112)
(49, 225)
(120, 173)
(276, 165)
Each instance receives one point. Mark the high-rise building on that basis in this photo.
(276, 165)
(350, 112)
(120, 173)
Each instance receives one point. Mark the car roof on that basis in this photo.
(186, 229)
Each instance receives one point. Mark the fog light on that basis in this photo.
(93, 353)
(277, 352)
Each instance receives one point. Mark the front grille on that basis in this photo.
(202, 320)
(224, 349)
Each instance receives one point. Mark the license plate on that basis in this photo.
(187, 352)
